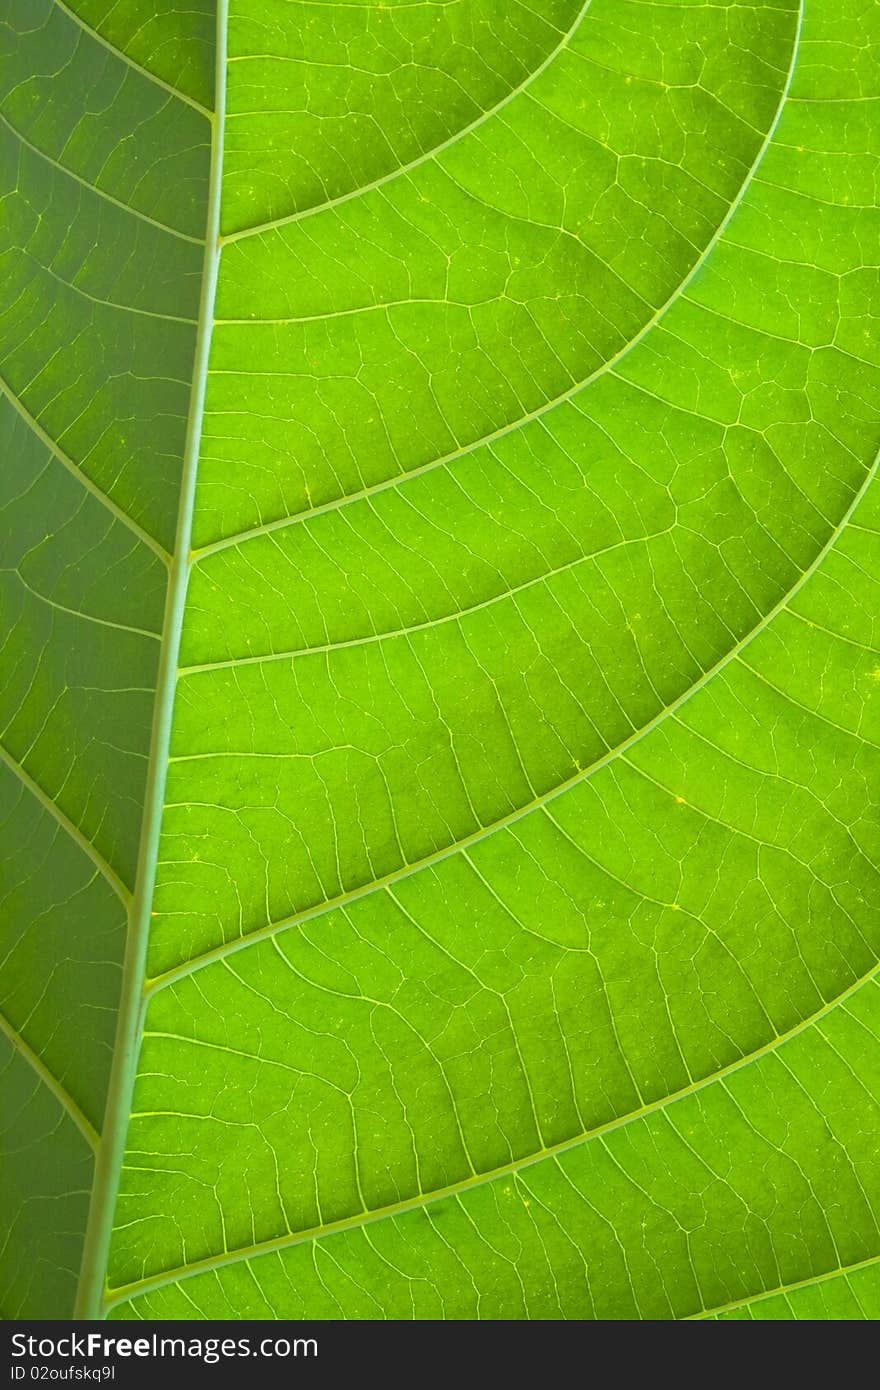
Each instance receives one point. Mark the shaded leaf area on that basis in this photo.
(104, 181)
(103, 177)
(517, 913)
(47, 1177)
(171, 41)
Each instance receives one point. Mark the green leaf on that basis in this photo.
(441, 685)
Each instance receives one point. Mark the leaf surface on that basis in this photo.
(441, 698)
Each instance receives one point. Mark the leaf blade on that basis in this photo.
(512, 950)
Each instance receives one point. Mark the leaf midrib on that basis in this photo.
(91, 1288)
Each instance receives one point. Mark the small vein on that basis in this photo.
(785, 1288)
(570, 392)
(110, 303)
(132, 62)
(436, 150)
(100, 863)
(170, 1276)
(428, 623)
(67, 1103)
(79, 612)
(81, 477)
(99, 192)
(241, 943)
